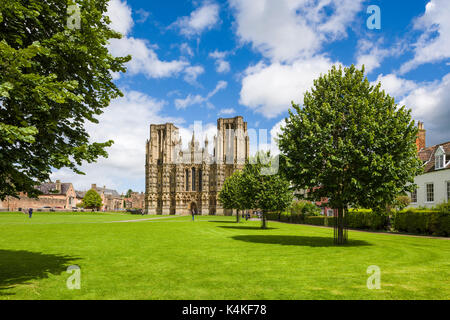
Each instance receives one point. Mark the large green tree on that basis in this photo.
(54, 77)
(351, 143)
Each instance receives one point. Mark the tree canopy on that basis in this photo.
(350, 142)
(53, 79)
(92, 200)
(253, 188)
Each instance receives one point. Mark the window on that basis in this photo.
(200, 180)
(193, 179)
(430, 192)
(187, 179)
(448, 190)
(440, 161)
(414, 196)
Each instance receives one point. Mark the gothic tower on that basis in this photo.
(182, 181)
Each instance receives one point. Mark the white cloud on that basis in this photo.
(434, 43)
(191, 74)
(284, 30)
(198, 99)
(226, 111)
(126, 121)
(222, 66)
(371, 54)
(395, 86)
(290, 33)
(186, 49)
(120, 15)
(429, 102)
(201, 19)
(269, 89)
(143, 15)
(144, 58)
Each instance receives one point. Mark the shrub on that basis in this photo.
(315, 220)
(366, 219)
(443, 207)
(423, 222)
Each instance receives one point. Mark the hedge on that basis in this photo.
(431, 222)
(367, 220)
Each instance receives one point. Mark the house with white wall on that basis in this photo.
(433, 186)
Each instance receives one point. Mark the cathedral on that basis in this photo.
(182, 181)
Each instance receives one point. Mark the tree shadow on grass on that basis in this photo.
(222, 221)
(246, 227)
(298, 240)
(19, 267)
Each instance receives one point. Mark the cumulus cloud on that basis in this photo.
(126, 121)
(290, 34)
(434, 43)
(284, 30)
(144, 60)
(371, 53)
(201, 19)
(269, 89)
(120, 15)
(429, 102)
(191, 74)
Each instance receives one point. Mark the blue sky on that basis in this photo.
(201, 60)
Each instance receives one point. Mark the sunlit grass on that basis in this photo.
(168, 257)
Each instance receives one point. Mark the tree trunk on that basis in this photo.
(340, 236)
(264, 221)
(237, 215)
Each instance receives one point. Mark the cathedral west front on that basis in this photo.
(181, 181)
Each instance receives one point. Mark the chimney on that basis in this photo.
(58, 185)
(420, 141)
(94, 186)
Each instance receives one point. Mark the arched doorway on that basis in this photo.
(193, 206)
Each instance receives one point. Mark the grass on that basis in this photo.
(212, 258)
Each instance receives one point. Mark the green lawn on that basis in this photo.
(211, 258)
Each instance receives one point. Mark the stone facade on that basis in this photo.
(54, 195)
(177, 181)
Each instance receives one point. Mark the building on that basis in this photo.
(433, 186)
(135, 201)
(111, 199)
(54, 195)
(179, 182)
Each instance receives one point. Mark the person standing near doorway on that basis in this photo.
(193, 213)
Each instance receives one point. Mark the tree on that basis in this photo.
(350, 143)
(267, 192)
(231, 193)
(128, 194)
(92, 200)
(53, 79)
